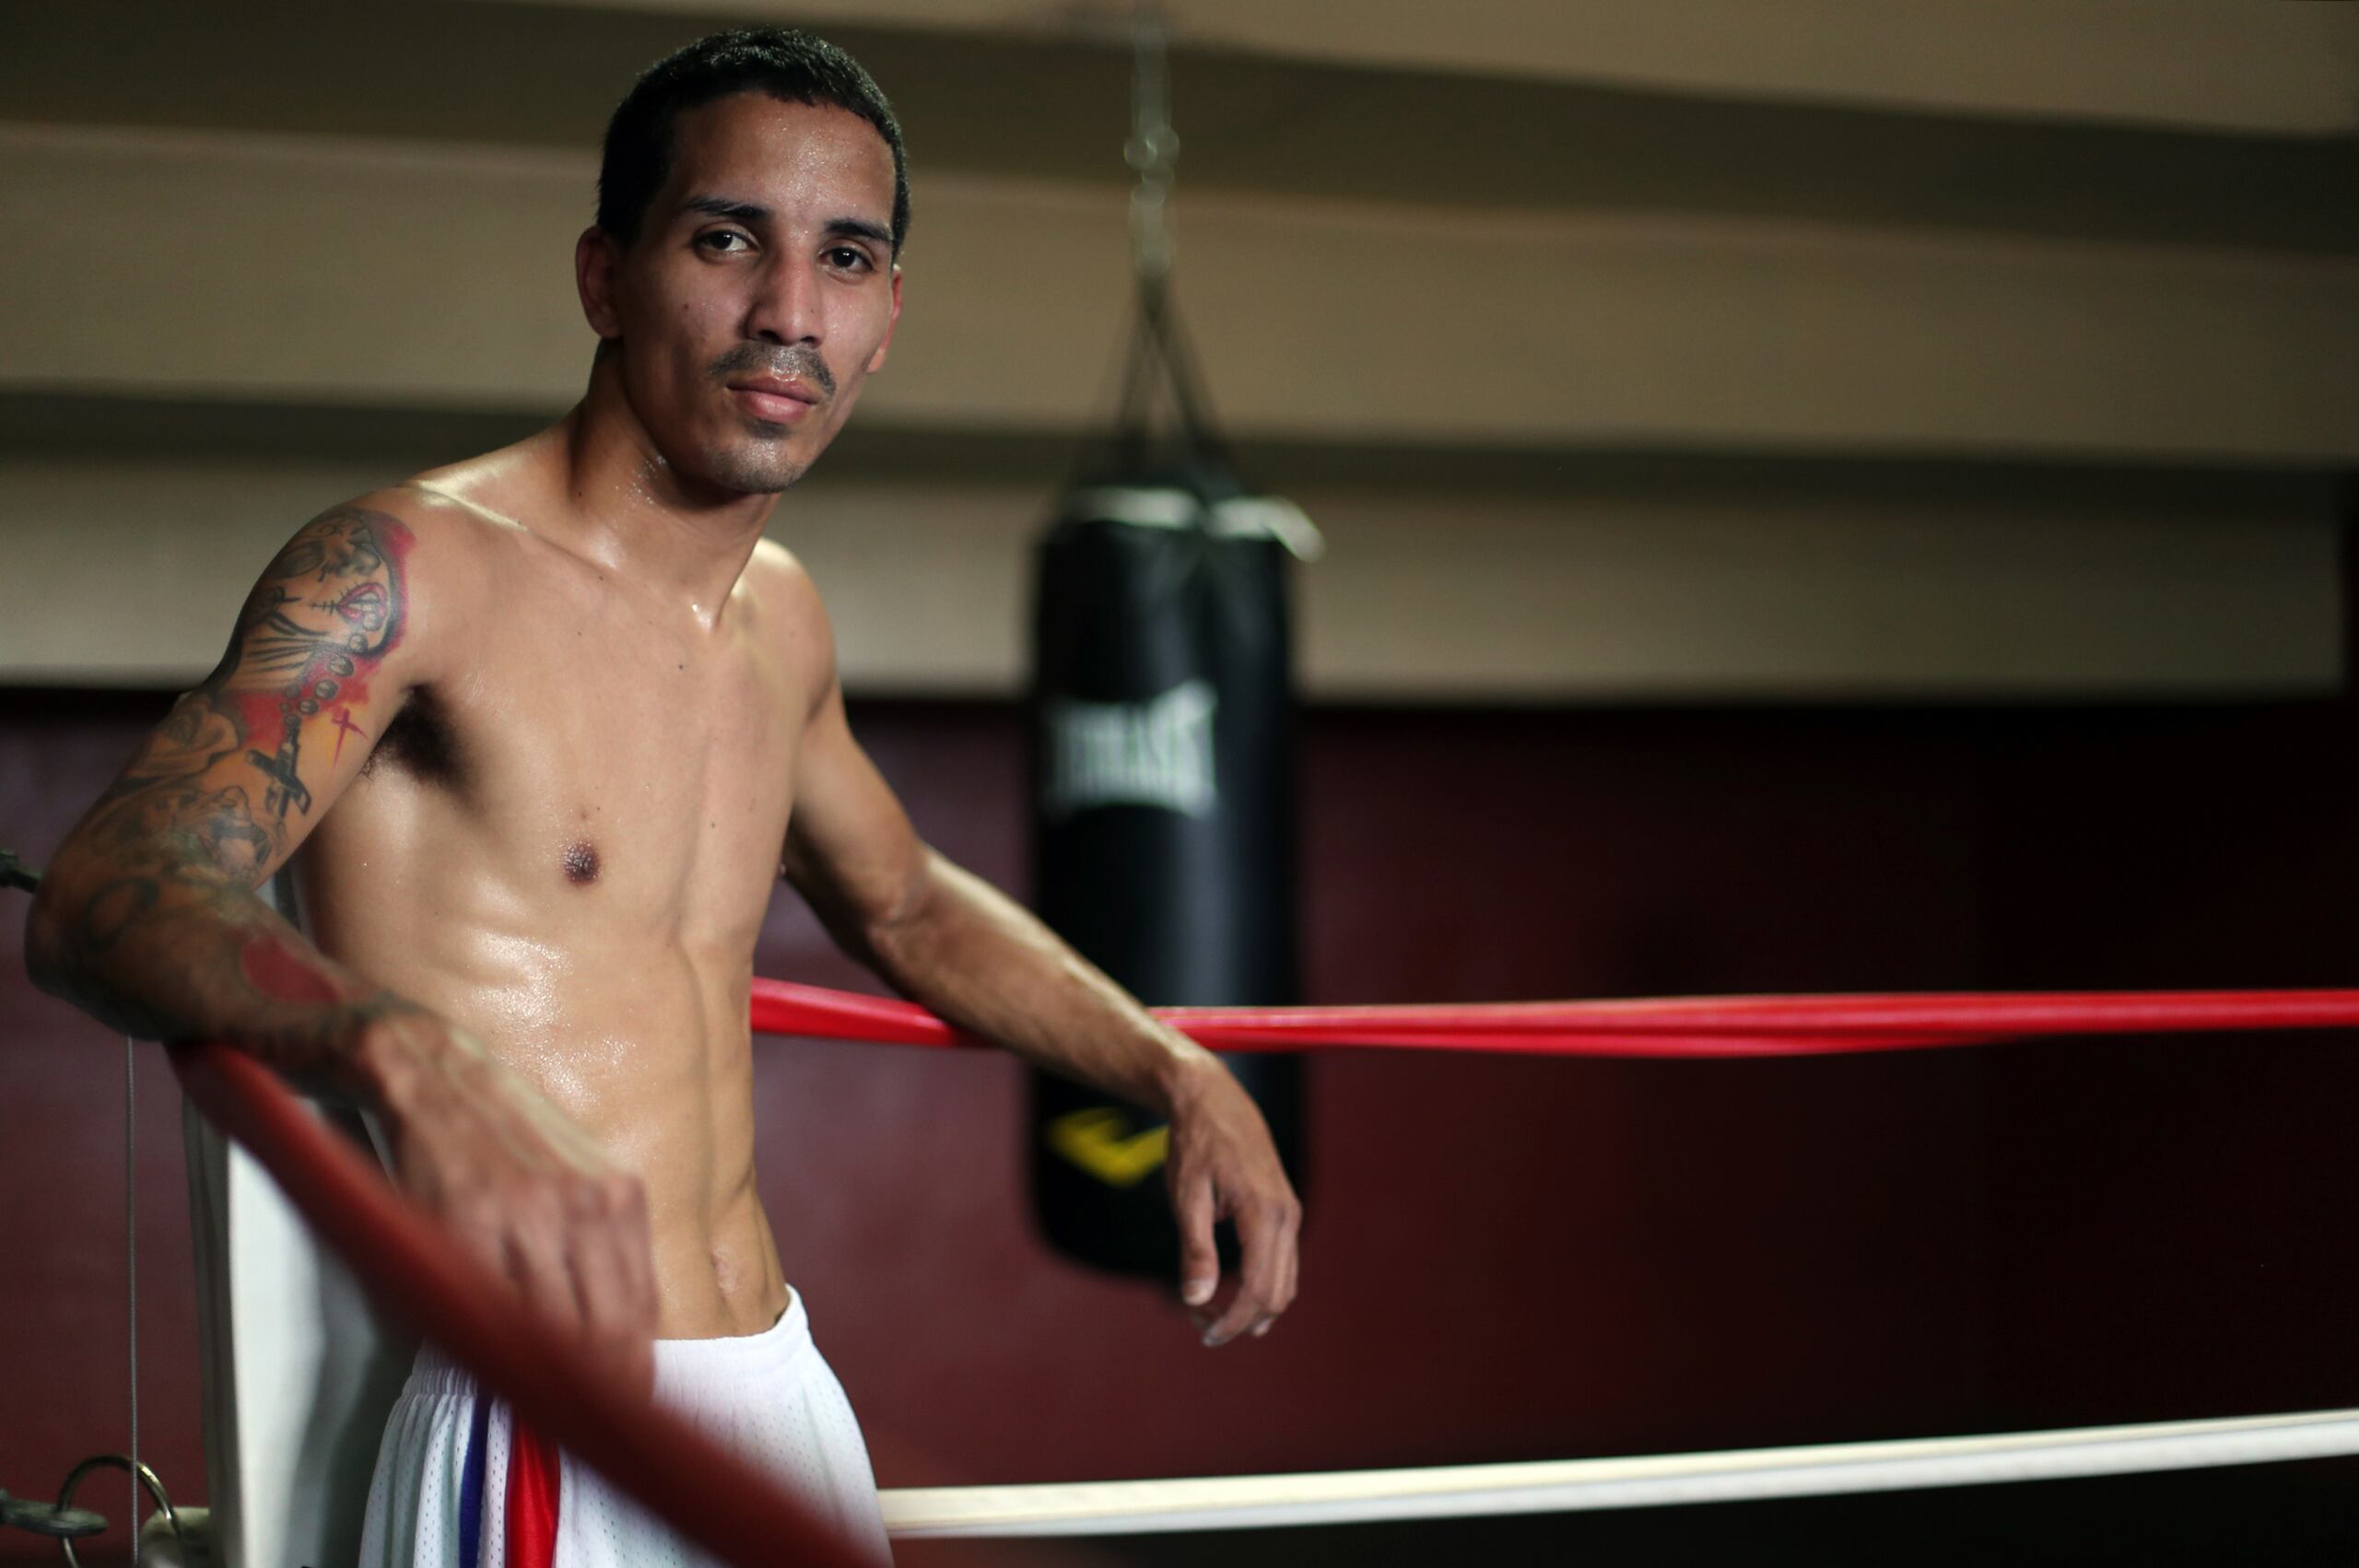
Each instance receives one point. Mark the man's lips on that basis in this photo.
(781, 403)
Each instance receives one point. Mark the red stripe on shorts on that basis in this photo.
(532, 1498)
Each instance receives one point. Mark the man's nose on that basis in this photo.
(785, 307)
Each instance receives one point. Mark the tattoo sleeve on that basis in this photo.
(149, 915)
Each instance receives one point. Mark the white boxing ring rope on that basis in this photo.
(1240, 1503)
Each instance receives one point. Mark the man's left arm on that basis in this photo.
(949, 941)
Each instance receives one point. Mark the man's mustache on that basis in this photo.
(794, 359)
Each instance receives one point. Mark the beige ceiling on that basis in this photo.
(1660, 347)
(2092, 119)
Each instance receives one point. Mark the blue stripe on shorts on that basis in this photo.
(471, 1486)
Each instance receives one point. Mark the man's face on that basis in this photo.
(761, 292)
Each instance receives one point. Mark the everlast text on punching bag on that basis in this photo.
(1163, 773)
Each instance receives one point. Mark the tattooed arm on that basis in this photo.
(149, 918)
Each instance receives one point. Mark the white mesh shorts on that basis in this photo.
(459, 1485)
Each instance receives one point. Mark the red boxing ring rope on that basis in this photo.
(1698, 1028)
(717, 1499)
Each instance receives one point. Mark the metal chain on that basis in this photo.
(1153, 149)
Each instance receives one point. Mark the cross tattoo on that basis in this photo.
(343, 726)
(286, 787)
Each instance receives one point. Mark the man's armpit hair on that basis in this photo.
(421, 740)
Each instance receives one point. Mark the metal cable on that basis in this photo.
(131, 1268)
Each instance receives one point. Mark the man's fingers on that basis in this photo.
(605, 1297)
(608, 1258)
(1269, 1295)
(1199, 1258)
(533, 1257)
(1294, 1252)
(1289, 1247)
(609, 1244)
(1260, 1234)
(619, 1333)
(638, 1256)
(531, 1196)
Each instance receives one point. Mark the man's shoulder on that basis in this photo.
(401, 557)
(791, 616)
(781, 583)
(404, 518)
(774, 564)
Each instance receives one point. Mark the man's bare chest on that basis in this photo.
(621, 766)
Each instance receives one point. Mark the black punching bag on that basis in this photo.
(1162, 800)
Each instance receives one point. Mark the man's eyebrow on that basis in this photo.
(860, 229)
(722, 207)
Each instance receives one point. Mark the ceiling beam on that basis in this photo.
(298, 269)
(2272, 66)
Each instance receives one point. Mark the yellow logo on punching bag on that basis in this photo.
(1098, 1139)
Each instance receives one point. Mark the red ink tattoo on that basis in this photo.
(262, 715)
(366, 606)
(343, 726)
(322, 622)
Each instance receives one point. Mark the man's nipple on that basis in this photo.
(582, 863)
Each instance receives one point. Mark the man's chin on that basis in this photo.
(754, 474)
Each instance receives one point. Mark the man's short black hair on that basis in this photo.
(779, 63)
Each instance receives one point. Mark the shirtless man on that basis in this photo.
(548, 724)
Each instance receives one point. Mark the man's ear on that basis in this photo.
(597, 266)
(876, 360)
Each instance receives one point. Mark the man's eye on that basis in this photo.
(848, 258)
(722, 239)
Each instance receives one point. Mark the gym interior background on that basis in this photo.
(1819, 495)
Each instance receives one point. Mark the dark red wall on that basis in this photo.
(2169, 1211)
(1505, 1258)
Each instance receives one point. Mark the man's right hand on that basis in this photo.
(525, 1192)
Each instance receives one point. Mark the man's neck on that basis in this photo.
(629, 509)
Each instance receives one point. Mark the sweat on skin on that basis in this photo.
(544, 722)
